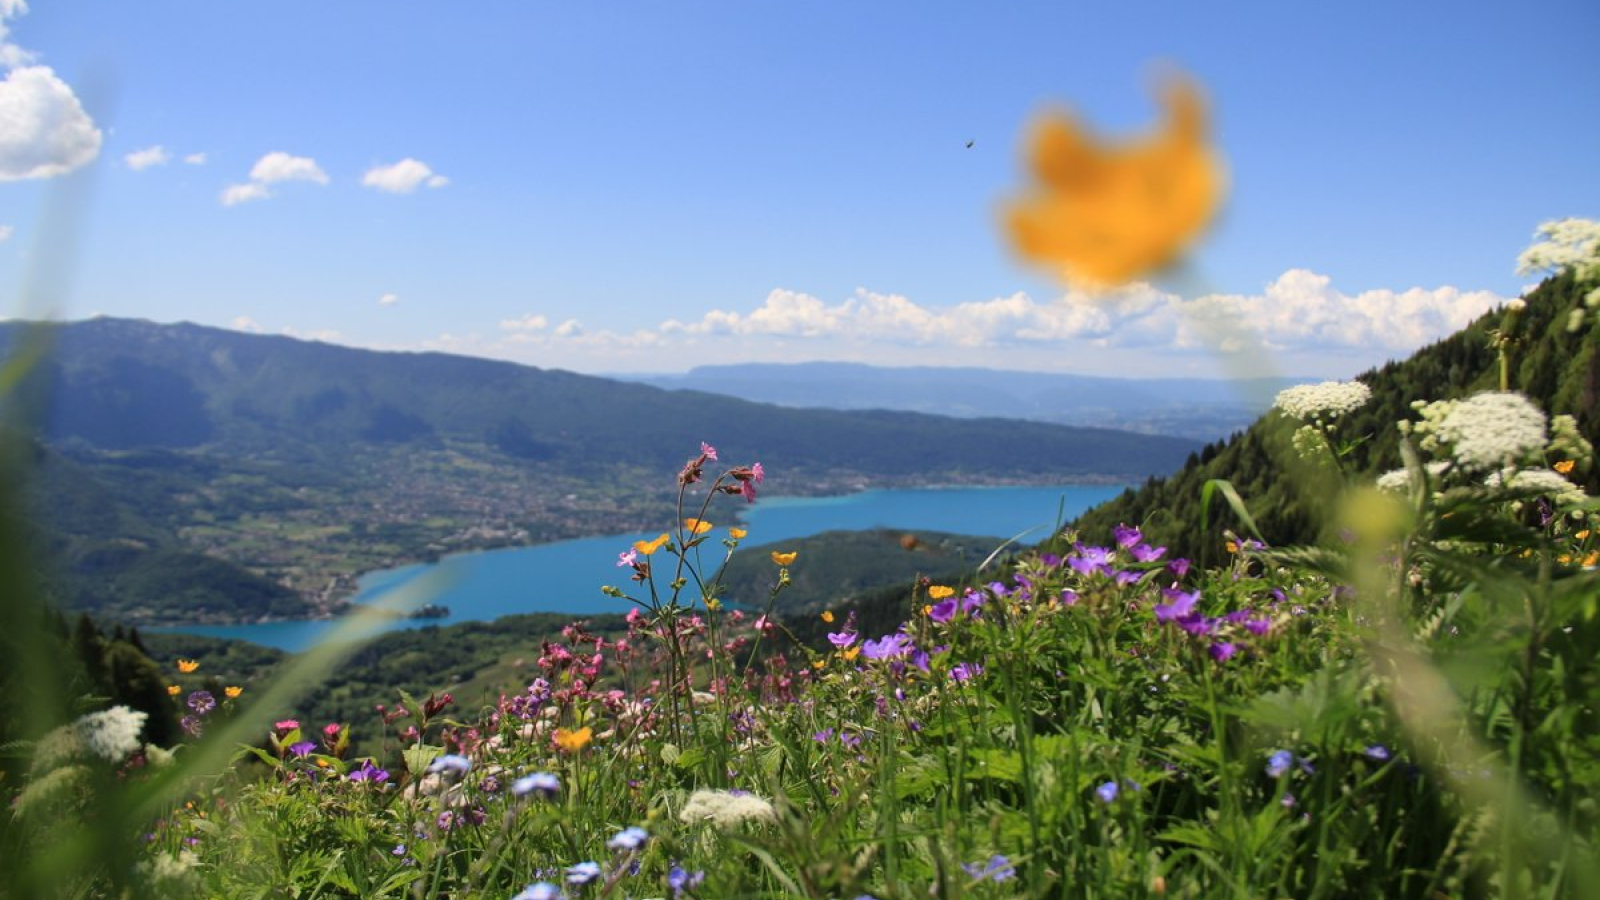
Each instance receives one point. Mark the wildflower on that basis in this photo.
(1377, 753)
(1107, 792)
(573, 740)
(965, 671)
(1092, 211)
(174, 690)
(726, 809)
(110, 734)
(737, 534)
(232, 691)
(943, 611)
(679, 880)
(1145, 553)
(827, 616)
(542, 784)
(1069, 597)
(1543, 481)
(823, 736)
(583, 873)
(1492, 429)
(1223, 651)
(1399, 480)
(939, 591)
(1179, 567)
(708, 451)
(539, 890)
(631, 838)
(286, 725)
(452, 763)
(1321, 402)
(997, 869)
(1126, 537)
(645, 548)
(887, 647)
(187, 665)
(1278, 763)
(367, 772)
(202, 702)
(784, 559)
(627, 558)
(303, 749)
(1565, 244)
(696, 526)
(1181, 604)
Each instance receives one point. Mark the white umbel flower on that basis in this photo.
(1399, 480)
(1317, 402)
(1492, 429)
(726, 809)
(1543, 481)
(111, 734)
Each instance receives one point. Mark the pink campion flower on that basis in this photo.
(764, 626)
(331, 729)
(708, 451)
(748, 489)
(758, 473)
(287, 725)
(627, 558)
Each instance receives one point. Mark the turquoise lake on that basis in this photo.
(566, 576)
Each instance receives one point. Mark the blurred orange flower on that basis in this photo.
(784, 559)
(575, 739)
(697, 526)
(1565, 466)
(1101, 214)
(174, 690)
(737, 533)
(232, 691)
(939, 591)
(187, 665)
(827, 615)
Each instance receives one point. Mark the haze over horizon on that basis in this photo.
(618, 191)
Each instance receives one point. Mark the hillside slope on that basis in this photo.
(1559, 369)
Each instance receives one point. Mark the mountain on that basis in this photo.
(308, 463)
(1557, 368)
(1196, 408)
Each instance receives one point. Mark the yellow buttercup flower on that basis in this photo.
(939, 591)
(1565, 466)
(187, 665)
(850, 653)
(784, 559)
(1232, 546)
(827, 616)
(737, 533)
(232, 691)
(1102, 215)
(174, 690)
(645, 548)
(574, 740)
(696, 526)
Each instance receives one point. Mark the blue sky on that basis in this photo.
(647, 187)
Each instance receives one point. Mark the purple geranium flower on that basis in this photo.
(997, 869)
(202, 702)
(1125, 577)
(965, 671)
(1069, 597)
(1180, 606)
(890, 646)
(303, 749)
(842, 639)
(1178, 567)
(369, 773)
(1126, 537)
(1145, 553)
(944, 610)
(1223, 651)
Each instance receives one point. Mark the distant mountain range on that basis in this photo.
(309, 463)
(1197, 408)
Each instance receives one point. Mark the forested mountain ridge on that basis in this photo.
(1557, 368)
(307, 464)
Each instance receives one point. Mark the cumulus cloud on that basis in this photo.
(274, 168)
(139, 160)
(279, 166)
(46, 131)
(529, 322)
(388, 299)
(245, 323)
(10, 54)
(5, 232)
(195, 159)
(403, 177)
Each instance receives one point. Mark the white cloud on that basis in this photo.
(279, 166)
(140, 160)
(529, 322)
(403, 177)
(388, 299)
(46, 131)
(195, 159)
(270, 169)
(245, 323)
(325, 335)
(10, 54)
(234, 194)
(5, 232)
(569, 329)
(1299, 311)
